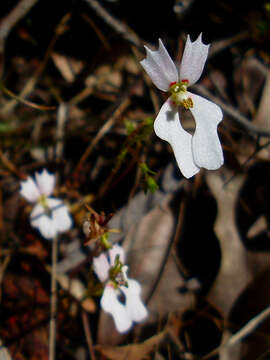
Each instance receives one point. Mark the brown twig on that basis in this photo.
(3, 267)
(179, 225)
(62, 116)
(102, 131)
(242, 333)
(100, 35)
(115, 24)
(10, 166)
(26, 102)
(88, 335)
(16, 14)
(60, 29)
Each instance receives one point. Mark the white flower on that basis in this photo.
(49, 215)
(203, 149)
(111, 271)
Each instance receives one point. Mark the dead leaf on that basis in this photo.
(67, 66)
(239, 267)
(133, 351)
(234, 273)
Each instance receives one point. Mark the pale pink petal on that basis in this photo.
(193, 60)
(134, 305)
(43, 222)
(101, 267)
(60, 214)
(114, 251)
(110, 303)
(45, 182)
(29, 190)
(167, 126)
(160, 67)
(206, 147)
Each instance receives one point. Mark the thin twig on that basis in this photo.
(170, 248)
(26, 102)
(3, 267)
(31, 83)
(52, 339)
(16, 14)
(242, 333)
(87, 331)
(102, 131)
(9, 165)
(62, 116)
(115, 24)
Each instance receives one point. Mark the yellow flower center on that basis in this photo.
(43, 201)
(179, 95)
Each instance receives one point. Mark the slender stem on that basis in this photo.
(52, 339)
(88, 335)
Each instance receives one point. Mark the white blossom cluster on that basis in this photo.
(49, 215)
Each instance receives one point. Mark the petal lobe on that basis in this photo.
(167, 126)
(206, 147)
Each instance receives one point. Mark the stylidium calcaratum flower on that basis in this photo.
(111, 270)
(202, 149)
(49, 215)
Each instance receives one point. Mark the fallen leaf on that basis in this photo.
(134, 351)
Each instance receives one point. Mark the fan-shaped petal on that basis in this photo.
(160, 67)
(60, 214)
(134, 305)
(43, 222)
(110, 303)
(167, 126)
(193, 60)
(101, 267)
(29, 190)
(206, 147)
(45, 182)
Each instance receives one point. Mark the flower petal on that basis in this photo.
(101, 267)
(45, 182)
(60, 214)
(110, 303)
(114, 251)
(29, 190)
(193, 60)
(160, 67)
(168, 127)
(45, 224)
(134, 305)
(206, 147)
